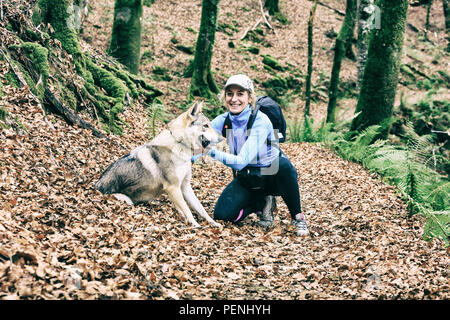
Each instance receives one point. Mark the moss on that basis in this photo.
(161, 74)
(281, 18)
(39, 58)
(226, 28)
(3, 116)
(279, 86)
(253, 49)
(185, 49)
(58, 14)
(12, 80)
(147, 57)
(115, 90)
(68, 98)
(272, 62)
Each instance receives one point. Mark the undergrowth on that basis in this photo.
(410, 167)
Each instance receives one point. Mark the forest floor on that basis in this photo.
(61, 239)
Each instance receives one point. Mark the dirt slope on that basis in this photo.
(61, 239)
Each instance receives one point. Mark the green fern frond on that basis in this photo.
(439, 196)
(156, 113)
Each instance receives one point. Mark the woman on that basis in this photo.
(263, 171)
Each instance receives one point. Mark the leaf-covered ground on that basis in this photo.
(61, 239)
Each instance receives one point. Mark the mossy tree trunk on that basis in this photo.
(272, 6)
(102, 88)
(447, 22)
(312, 13)
(125, 43)
(202, 82)
(380, 79)
(59, 13)
(363, 39)
(345, 35)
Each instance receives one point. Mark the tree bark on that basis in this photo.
(447, 22)
(125, 43)
(312, 13)
(345, 35)
(363, 38)
(380, 79)
(59, 13)
(202, 82)
(272, 6)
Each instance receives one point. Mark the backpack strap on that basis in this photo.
(226, 125)
(252, 118)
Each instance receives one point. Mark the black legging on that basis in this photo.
(235, 197)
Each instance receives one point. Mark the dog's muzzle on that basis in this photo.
(205, 142)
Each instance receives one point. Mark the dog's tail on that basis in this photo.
(114, 179)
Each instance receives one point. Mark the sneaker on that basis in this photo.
(300, 223)
(266, 216)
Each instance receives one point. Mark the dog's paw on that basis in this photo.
(216, 225)
(196, 226)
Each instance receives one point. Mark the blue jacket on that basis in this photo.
(246, 149)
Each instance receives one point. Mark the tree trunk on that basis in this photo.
(365, 25)
(427, 18)
(202, 82)
(380, 79)
(447, 22)
(312, 13)
(107, 87)
(125, 42)
(272, 6)
(345, 35)
(60, 14)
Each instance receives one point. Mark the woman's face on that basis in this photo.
(236, 98)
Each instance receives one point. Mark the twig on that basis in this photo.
(1, 9)
(331, 8)
(253, 28)
(264, 16)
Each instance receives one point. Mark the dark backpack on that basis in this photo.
(272, 109)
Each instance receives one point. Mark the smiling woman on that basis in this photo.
(261, 169)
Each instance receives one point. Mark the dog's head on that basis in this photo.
(194, 128)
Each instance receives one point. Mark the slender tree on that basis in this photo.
(380, 79)
(272, 6)
(312, 14)
(202, 82)
(364, 13)
(105, 89)
(447, 22)
(125, 42)
(345, 35)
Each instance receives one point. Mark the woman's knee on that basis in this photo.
(221, 213)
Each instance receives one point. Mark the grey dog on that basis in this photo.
(164, 165)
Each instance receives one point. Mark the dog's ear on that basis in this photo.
(196, 109)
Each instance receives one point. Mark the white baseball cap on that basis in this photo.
(240, 80)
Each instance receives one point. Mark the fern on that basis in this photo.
(437, 226)
(156, 113)
(438, 197)
(410, 168)
(308, 134)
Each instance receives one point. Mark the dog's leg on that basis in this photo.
(195, 204)
(176, 197)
